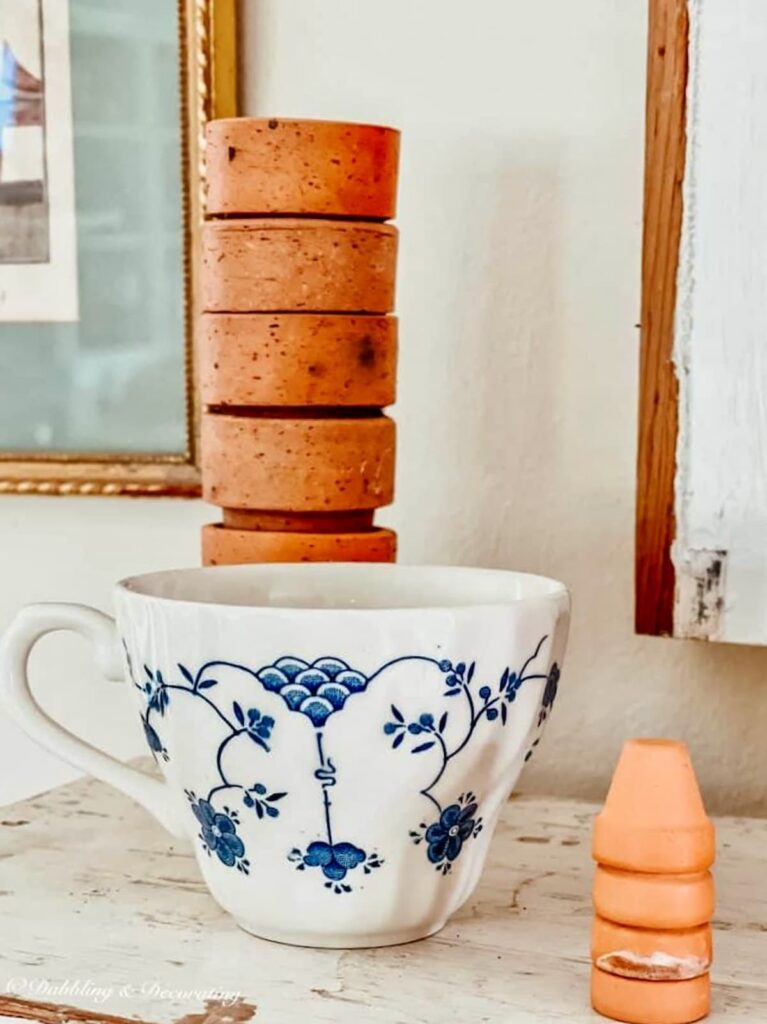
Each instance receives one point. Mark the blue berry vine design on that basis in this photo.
(458, 822)
(317, 690)
(218, 827)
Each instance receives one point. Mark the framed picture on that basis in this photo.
(102, 113)
(38, 242)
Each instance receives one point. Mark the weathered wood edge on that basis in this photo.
(667, 72)
(56, 1013)
(215, 1012)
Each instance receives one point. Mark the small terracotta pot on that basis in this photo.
(650, 1002)
(261, 166)
(654, 901)
(297, 464)
(651, 954)
(292, 265)
(222, 546)
(298, 359)
(653, 818)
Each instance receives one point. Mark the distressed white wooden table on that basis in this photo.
(102, 918)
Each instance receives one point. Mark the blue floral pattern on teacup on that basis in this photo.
(316, 690)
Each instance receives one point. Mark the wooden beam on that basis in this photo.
(667, 69)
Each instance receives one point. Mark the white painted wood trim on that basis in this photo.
(720, 552)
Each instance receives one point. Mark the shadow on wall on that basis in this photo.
(485, 327)
(525, 329)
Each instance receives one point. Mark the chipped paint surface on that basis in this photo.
(218, 1011)
(720, 352)
(701, 584)
(138, 923)
(652, 967)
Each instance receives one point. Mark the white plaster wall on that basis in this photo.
(519, 290)
(74, 549)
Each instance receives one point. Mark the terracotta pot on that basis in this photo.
(650, 1002)
(653, 819)
(356, 521)
(262, 166)
(222, 546)
(298, 464)
(654, 901)
(297, 359)
(651, 954)
(292, 265)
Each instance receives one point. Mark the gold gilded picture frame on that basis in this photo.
(208, 88)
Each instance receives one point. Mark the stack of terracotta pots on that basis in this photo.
(298, 351)
(653, 891)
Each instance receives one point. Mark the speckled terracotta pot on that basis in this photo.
(261, 166)
(654, 901)
(298, 464)
(298, 359)
(222, 546)
(650, 1002)
(290, 265)
(650, 953)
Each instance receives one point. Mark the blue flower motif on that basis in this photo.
(218, 833)
(549, 695)
(509, 686)
(552, 685)
(315, 689)
(335, 860)
(445, 838)
(155, 691)
(259, 727)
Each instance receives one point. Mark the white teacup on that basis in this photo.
(336, 741)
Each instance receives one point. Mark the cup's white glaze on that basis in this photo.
(337, 740)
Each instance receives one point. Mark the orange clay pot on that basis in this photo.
(302, 359)
(298, 265)
(298, 464)
(654, 901)
(653, 819)
(260, 166)
(356, 521)
(222, 546)
(650, 1002)
(651, 954)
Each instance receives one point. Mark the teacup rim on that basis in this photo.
(544, 589)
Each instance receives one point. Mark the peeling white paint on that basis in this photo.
(701, 586)
(721, 321)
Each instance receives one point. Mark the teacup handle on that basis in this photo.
(32, 623)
